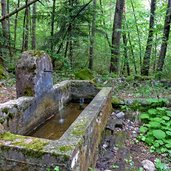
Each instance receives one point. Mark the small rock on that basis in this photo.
(148, 165)
(113, 113)
(105, 146)
(120, 115)
(134, 135)
(119, 123)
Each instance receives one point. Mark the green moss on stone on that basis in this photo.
(34, 148)
(2, 120)
(116, 102)
(66, 148)
(84, 74)
(36, 53)
(5, 110)
(2, 72)
(36, 144)
(28, 91)
(79, 130)
(10, 115)
(7, 136)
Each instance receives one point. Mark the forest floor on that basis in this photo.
(119, 149)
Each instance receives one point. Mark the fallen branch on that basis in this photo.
(17, 10)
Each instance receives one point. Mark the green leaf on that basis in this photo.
(56, 168)
(143, 138)
(143, 129)
(157, 119)
(159, 134)
(168, 112)
(168, 133)
(152, 111)
(163, 150)
(160, 142)
(154, 124)
(156, 144)
(166, 118)
(144, 116)
(149, 140)
(168, 146)
(161, 108)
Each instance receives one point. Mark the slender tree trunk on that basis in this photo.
(138, 33)
(124, 36)
(4, 22)
(26, 28)
(92, 37)
(131, 49)
(165, 39)
(52, 24)
(9, 36)
(155, 54)
(34, 26)
(146, 61)
(117, 24)
(126, 60)
(70, 33)
(104, 24)
(15, 25)
(66, 49)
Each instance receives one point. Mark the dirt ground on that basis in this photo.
(120, 150)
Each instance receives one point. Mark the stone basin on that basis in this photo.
(76, 150)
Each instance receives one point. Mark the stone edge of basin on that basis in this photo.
(74, 150)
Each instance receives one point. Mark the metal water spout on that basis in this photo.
(81, 103)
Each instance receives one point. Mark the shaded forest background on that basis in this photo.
(111, 37)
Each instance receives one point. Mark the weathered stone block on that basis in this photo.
(33, 74)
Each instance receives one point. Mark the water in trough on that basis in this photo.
(55, 126)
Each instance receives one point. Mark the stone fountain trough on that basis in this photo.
(77, 149)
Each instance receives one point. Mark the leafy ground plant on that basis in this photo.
(55, 169)
(160, 166)
(156, 129)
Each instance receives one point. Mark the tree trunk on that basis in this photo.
(131, 47)
(165, 39)
(26, 29)
(9, 36)
(52, 24)
(70, 27)
(15, 25)
(92, 36)
(138, 33)
(4, 22)
(104, 23)
(146, 60)
(117, 23)
(155, 54)
(34, 26)
(126, 60)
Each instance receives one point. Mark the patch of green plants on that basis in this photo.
(56, 168)
(156, 129)
(144, 104)
(160, 166)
